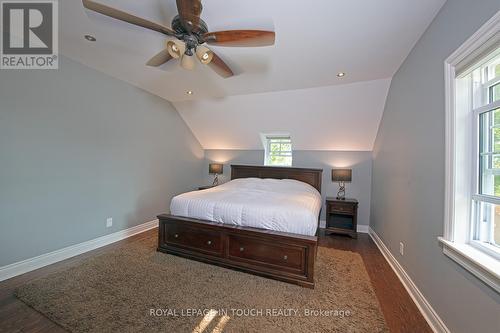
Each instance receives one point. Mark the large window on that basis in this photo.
(485, 86)
(278, 151)
(472, 193)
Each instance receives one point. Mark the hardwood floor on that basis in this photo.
(400, 312)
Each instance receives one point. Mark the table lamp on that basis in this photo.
(341, 176)
(215, 169)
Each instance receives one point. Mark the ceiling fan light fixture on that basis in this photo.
(175, 49)
(204, 54)
(187, 62)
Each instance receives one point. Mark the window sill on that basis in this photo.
(483, 266)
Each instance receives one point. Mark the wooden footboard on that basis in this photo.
(282, 256)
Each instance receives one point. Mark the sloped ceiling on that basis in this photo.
(315, 39)
(341, 117)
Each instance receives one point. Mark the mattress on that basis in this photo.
(274, 204)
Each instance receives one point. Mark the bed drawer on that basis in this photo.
(197, 239)
(260, 253)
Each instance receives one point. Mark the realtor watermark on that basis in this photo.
(251, 312)
(29, 38)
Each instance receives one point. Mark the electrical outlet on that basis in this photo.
(109, 222)
(401, 248)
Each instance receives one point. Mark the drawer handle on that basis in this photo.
(176, 236)
(285, 257)
(209, 242)
(242, 249)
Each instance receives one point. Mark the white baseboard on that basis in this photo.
(363, 228)
(432, 318)
(21, 267)
(360, 228)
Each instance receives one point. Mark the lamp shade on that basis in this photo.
(341, 175)
(175, 49)
(215, 168)
(187, 62)
(204, 54)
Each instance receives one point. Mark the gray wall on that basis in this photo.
(408, 173)
(76, 147)
(360, 162)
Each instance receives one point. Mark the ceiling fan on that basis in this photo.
(191, 33)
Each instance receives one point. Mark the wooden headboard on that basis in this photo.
(309, 176)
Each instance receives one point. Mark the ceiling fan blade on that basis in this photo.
(124, 16)
(159, 59)
(240, 38)
(220, 67)
(189, 13)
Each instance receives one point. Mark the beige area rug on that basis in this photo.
(135, 289)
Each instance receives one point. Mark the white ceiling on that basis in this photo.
(315, 39)
(340, 117)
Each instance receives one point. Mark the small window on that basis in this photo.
(278, 151)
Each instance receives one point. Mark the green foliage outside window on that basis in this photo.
(279, 152)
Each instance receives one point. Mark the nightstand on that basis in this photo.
(205, 187)
(342, 216)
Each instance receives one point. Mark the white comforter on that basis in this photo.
(280, 205)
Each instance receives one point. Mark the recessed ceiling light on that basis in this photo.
(189, 92)
(340, 74)
(90, 38)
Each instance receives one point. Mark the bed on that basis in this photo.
(264, 221)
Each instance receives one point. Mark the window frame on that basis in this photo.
(461, 158)
(477, 197)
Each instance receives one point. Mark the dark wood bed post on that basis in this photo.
(278, 255)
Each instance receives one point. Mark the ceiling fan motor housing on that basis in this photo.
(198, 30)
(192, 38)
